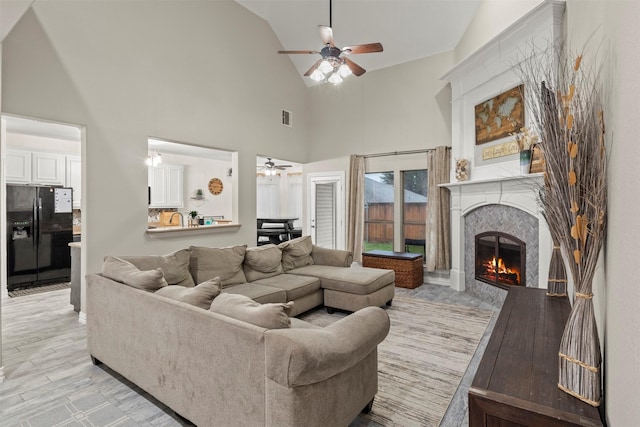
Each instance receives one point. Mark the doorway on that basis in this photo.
(39, 153)
(326, 210)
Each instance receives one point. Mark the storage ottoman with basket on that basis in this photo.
(407, 266)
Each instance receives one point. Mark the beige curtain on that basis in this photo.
(355, 212)
(438, 239)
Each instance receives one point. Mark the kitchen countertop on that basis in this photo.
(75, 245)
(174, 230)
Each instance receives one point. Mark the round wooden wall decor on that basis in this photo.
(215, 186)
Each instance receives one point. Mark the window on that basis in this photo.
(378, 211)
(396, 203)
(414, 209)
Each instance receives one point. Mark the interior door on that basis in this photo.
(326, 217)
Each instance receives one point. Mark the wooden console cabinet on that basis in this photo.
(516, 382)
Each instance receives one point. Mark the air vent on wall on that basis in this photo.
(287, 118)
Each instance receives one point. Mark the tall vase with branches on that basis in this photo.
(565, 105)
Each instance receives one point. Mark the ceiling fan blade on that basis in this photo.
(355, 68)
(283, 166)
(362, 48)
(290, 52)
(326, 34)
(313, 68)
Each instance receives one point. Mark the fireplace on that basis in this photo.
(500, 259)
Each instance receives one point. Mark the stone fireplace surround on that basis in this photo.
(508, 205)
(497, 197)
(506, 219)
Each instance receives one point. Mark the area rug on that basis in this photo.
(422, 360)
(38, 289)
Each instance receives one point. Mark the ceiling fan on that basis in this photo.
(334, 65)
(270, 167)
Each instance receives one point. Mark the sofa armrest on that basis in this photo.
(333, 257)
(296, 357)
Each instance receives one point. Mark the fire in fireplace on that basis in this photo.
(500, 259)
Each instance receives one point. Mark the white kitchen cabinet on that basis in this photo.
(47, 168)
(18, 167)
(166, 184)
(28, 167)
(73, 178)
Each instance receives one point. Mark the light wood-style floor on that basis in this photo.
(47, 367)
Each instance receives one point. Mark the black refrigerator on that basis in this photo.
(39, 229)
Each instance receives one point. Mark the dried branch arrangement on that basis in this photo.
(566, 111)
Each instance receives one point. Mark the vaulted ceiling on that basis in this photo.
(407, 29)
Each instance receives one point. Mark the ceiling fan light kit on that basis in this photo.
(270, 168)
(334, 67)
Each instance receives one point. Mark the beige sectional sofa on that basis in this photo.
(218, 369)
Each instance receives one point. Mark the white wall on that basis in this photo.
(129, 70)
(197, 172)
(614, 30)
(404, 107)
(491, 18)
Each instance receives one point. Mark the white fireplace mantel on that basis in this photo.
(481, 76)
(518, 191)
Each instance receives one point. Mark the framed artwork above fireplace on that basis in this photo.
(500, 116)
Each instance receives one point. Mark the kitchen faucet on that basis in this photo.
(181, 218)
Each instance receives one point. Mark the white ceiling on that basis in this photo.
(407, 29)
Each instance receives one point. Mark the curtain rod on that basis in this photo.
(398, 153)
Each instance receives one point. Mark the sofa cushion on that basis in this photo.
(294, 285)
(355, 280)
(174, 266)
(200, 296)
(122, 271)
(262, 262)
(240, 307)
(225, 263)
(261, 294)
(296, 252)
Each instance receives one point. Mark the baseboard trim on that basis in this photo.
(2, 377)
(82, 317)
(437, 278)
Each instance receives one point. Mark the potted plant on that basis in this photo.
(199, 195)
(193, 218)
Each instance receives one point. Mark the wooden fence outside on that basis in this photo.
(378, 225)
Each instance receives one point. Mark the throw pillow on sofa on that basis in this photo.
(225, 263)
(200, 296)
(240, 307)
(174, 266)
(262, 262)
(122, 271)
(296, 253)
